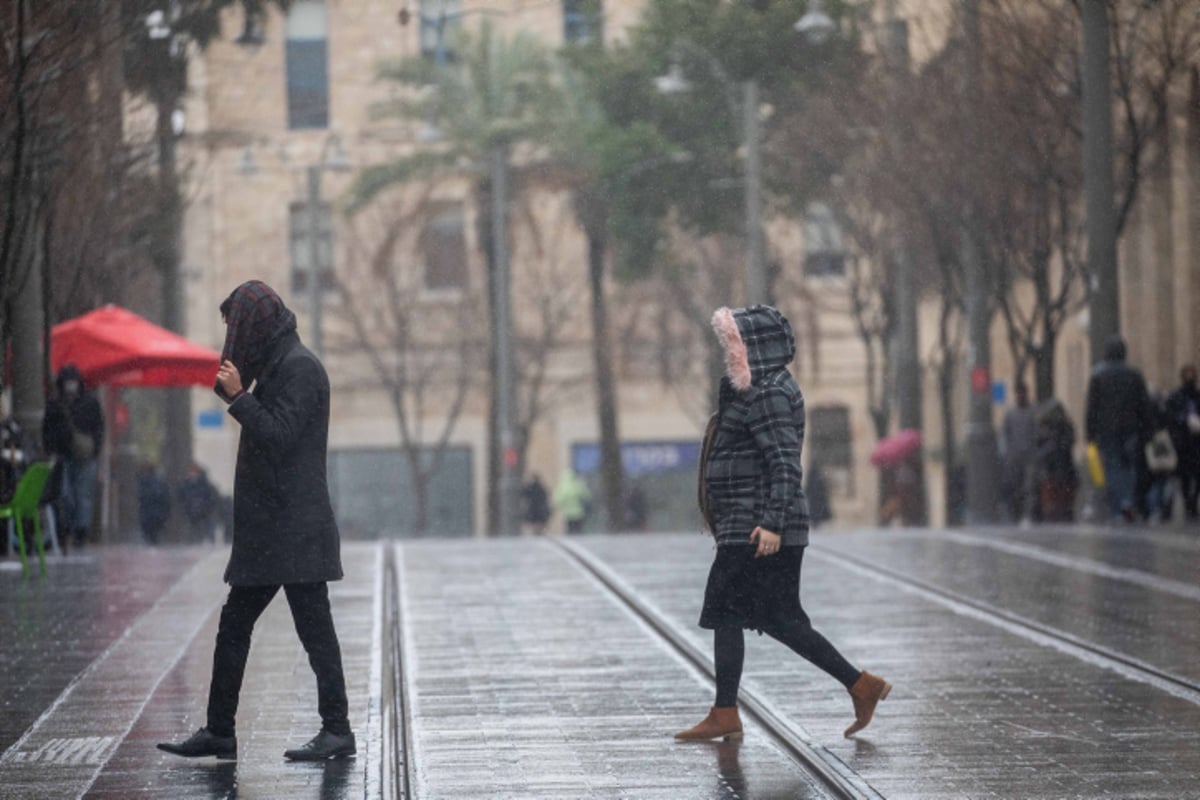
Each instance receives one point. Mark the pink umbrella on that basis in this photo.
(891, 450)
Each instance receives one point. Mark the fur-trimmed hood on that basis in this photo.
(757, 341)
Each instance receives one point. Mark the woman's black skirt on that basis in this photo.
(748, 592)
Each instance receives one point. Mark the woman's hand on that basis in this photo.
(768, 542)
(230, 379)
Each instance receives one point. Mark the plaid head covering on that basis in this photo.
(255, 318)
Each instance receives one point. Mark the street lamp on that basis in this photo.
(335, 161)
(816, 26)
(505, 378)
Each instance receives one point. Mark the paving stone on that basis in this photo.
(530, 682)
(970, 699)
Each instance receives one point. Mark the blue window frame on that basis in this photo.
(582, 21)
(307, 65)
(824, 248)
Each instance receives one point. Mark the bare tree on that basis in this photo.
(424, 353)
(548, 303)
(1035, 227)
(426, 348)
(72, 193)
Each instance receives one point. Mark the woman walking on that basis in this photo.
(751, 496)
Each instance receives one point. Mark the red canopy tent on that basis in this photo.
(115, 347)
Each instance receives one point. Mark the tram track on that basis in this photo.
(397, 766)
(825, 768)
(830, 771)
(1128, 666)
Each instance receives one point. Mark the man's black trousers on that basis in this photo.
(314, 624)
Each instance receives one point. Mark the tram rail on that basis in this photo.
(840, 780)
(1129, 666)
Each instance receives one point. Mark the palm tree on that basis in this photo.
(495, 96)
(604, 163)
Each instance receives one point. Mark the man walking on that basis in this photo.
(1183, 421)
(284, 531)
(1118, 421)
(1020, 448)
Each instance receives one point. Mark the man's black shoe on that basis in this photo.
(202, 743)
(324, 746)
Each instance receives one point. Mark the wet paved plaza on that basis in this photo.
(1044, 663)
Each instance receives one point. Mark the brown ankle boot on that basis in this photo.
(721, 723)
(866, 692)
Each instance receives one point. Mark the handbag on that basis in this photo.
(1160, 453)
(83, 446)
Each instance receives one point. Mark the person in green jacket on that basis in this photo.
(572, 498)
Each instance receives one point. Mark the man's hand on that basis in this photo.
(229, 378)
(768, 542)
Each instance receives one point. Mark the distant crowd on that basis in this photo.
(1142, 455)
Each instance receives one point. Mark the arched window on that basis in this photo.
(831, 442)
(307, 65)
(824, 248)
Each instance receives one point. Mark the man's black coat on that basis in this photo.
(284, 530)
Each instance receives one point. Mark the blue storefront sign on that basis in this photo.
(210, 418)
(639, 458)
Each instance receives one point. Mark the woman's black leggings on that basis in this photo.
(729, 649)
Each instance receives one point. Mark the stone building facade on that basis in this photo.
(263, 114)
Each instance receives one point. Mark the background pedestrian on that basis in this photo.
(198, 501)
(1018, 442)
(572, 499)
(73, 429)
(535, 505)
(816, 491)
(1055, 479)
(1183, 420)
(1160, 462)
(1119, 422)
(154, 502)
(636, 510)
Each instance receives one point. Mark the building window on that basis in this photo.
(301, 247)
(440, 22)
(832, 446)
(307, 65)
(444, 248)
(582, 21)
(824, 248)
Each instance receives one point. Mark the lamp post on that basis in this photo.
(171, 59)
(1104, 310)
(335, 162)
(816, 27)
(981, 435)
(906, 345)
(507, 501)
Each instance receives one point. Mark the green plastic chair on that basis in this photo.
(23, 506)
